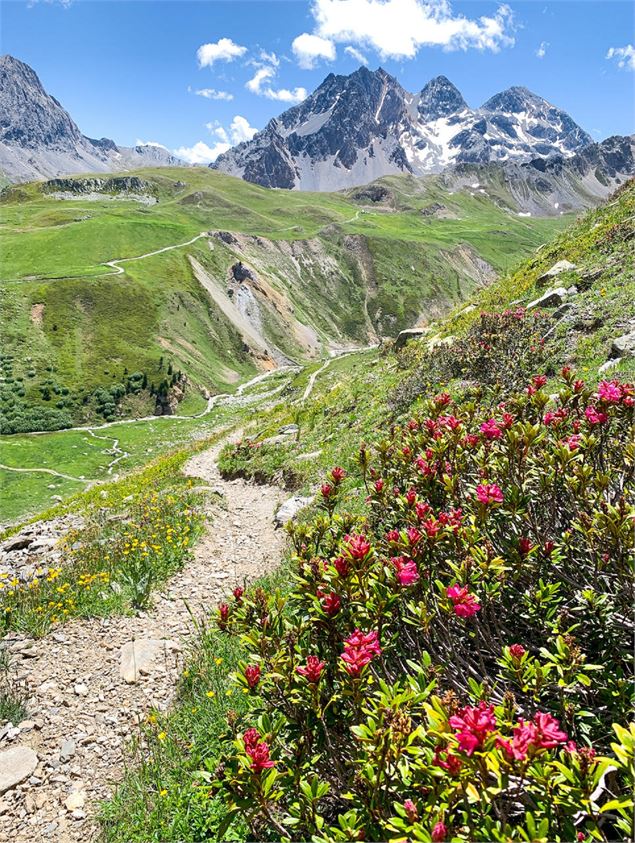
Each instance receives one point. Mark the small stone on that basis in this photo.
(556, 269)
(16, 765)
(75, 800)
(68, 750)
(136, 657)
(81, 690)
(290, 509)
(26, 725)
(552, 298)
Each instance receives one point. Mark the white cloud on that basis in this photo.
(150, 143)
(213, 94)
(239, 130)
(309, 49)
(542, 49)
(398, 28)
(223, 50)
(260, 85)
(355, 54)
(201, 153)
(625, 56)
(261, 75)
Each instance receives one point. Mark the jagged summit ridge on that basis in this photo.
(356, 128)
(39, 139)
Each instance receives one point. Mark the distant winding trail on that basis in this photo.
(119, 270)
(43, 471)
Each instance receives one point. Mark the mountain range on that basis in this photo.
(39, 139)
(354, 129)
(350, 131)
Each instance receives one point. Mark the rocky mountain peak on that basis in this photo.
(440, 98)
(30, 117)
(39, 138)
(514, 100)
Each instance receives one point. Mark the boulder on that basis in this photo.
(289, 429)
(552, 298)
(437, 341)
(623, 346)
(290, 509)
(556, 269)
(137, 657)
(409, 334)
(16, 765)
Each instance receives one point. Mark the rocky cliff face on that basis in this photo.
(354, 129)
(39, 139)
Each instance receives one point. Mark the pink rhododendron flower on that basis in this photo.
(357, 546)
(341, 566)
(337, 474)
(525, 545)
(610, 392)
(379, 485)
(543, 732)
(223, 615)
(507, 421)
(491, 430)
(252, 675)
(258, 751)
(313, 669)
(539, 381)
(447, 761)
(407, 573)
(465, 604)
(439, 833)
(549, 732)
(517, 651)
(422, 509)
(451, 422)
(326, 489)
(595, 417)
(411, 496)
(238, 593)
(331, 604)
(573, 441)
(472, 725)
(359, 650)
(414, 536)
(489, 493)
(393, 536)
(442, 400)
(412, 814)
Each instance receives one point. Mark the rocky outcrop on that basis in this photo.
(404, 337)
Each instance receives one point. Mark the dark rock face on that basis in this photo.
(355, 129)
(440, 98)
(39, 139)
(241, 273)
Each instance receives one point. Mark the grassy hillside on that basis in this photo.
(328, 269)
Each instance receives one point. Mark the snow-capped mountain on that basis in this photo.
(354, 129)
(39, 139)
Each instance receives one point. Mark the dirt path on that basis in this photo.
(81, 711)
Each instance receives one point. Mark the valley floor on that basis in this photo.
(86, 698)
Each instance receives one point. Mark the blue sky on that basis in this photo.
(131, 70)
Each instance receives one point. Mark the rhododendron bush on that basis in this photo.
(456, 663)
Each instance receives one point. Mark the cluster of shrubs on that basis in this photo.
(455, 663)
(499, 348)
